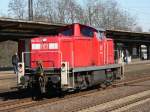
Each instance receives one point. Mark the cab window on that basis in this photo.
(87, 32)
(67, 32)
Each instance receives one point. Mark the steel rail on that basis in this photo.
(26, 103)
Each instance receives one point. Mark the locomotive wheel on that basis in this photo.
(61, 93)
(110, 77)
(36, 92)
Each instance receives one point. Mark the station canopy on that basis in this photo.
(128, 36)
(17, 29)
(11, 29)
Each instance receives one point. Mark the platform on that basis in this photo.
(8, 80)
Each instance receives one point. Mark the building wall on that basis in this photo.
(7, 49)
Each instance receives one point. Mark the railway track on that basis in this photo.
(28, 102)
(136, 80)
(121, 104)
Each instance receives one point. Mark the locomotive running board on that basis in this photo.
(120, 67)
(93, 68)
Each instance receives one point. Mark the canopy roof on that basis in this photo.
(127, 36)
(18, 29)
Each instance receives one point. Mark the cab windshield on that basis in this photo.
(87, 32)
(67, 31)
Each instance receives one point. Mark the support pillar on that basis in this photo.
(148, 52)
(139, 51)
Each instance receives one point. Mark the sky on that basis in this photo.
(4, 6)
(140, 9)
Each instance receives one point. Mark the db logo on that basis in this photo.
(44, 46)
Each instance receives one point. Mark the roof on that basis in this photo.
(128, 36)
(15, 29)
(11, 29)
(82, 25)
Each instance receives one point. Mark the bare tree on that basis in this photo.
(108, 15)
(97, 13)
(90, 10)
(138, 29)
(68, 11)
(44, 10)
(17, 9)
(64, 11)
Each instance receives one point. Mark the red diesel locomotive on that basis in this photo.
(77, 58)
